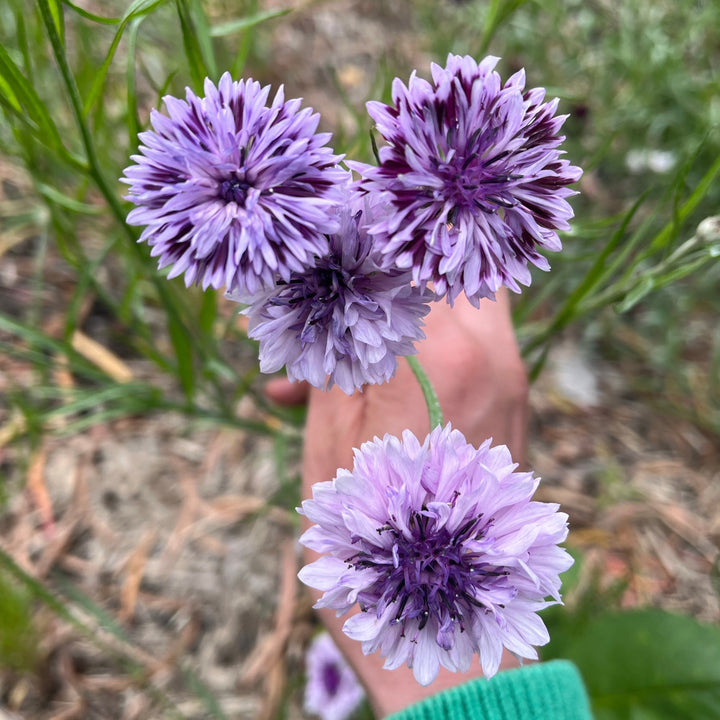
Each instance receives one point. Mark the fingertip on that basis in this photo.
(282, 392)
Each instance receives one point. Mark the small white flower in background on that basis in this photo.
(332, 692)
(657, 161)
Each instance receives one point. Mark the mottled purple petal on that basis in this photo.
(344, 319)
(232, 192)
(474, 173)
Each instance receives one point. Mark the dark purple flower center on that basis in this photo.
(234, 190)
(315, 292)
(431, 574)
(330, 678)
(472, 180)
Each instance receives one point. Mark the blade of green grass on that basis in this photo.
(19, 641)
(240, 24)
(184, 355)
(75, 595)
(22, 41)
(498, 13)
(54, 195)
(133, 115)
(37, 339)
(570, 308)
(659, 243)
(86, 400)
(670, 230)
(204, 694)
(90, 16)
(58, 18)
(685, 260)
(57, 604)
(163, 89)
(19, 97)
(194, 46)
(136, 9)
(40, 592)
(108, 623)
(208, 313)
(204, 39)
(169, 300)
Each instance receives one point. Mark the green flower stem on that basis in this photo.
(431, 399)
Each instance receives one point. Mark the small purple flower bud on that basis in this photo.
(332, 691)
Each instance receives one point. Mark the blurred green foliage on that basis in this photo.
(639, 663)
(645, 663)
(18, 636)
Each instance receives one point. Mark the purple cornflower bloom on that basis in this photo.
(473, 172)
(343, 320)
(232, 191)
(332, 691)
(443, 549)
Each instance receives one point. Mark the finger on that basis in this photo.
(332, 430)
(284, 392)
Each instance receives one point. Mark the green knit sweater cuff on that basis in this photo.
(544, 691)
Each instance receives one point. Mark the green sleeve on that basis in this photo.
(543, 691)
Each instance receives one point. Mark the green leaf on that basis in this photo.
(233, 26)
(19, 96)
(197, 43)
(37, 339)
(645, 664)
(208, 312)
(54, 195)
(129, 398)
(90, 16)
(18, 635)
(498, 13)
(69, 614)
(572, 307)
(184, 354)
(204, 694)
(77, 596)
(138, 8)
(133, 115)
(202, 32)
(22, 41)
(644, 286)
(668, 232)
(58, 19)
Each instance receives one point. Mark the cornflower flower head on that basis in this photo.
(233, 191)
(474, 173)
(441, 547)
(342, 320)
(332, 692)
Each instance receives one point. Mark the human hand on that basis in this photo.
(472, 359)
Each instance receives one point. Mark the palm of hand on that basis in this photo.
(472, 360)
